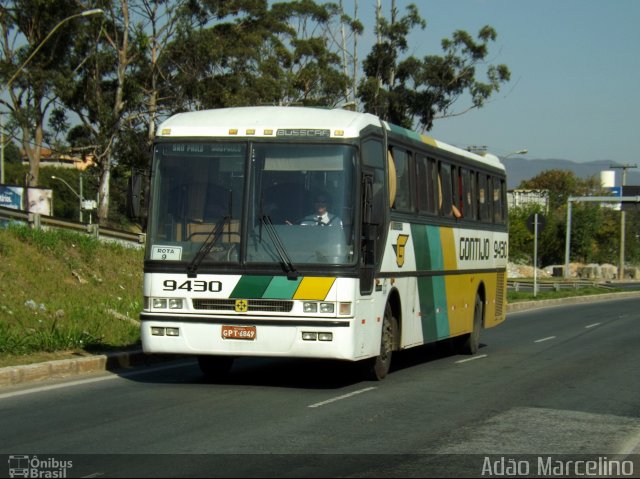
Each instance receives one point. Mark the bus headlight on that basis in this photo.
(159, 303)
(167, 303)
(308, 307)
(327, 307)
(314, 307)
(175, 303)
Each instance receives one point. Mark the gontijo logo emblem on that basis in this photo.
(242, 306)
(399, 248)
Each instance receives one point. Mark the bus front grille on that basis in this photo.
(252, 305)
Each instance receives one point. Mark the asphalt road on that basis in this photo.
(548, 383)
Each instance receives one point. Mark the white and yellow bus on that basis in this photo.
(418, 253)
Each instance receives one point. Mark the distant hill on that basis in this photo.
(519, 169)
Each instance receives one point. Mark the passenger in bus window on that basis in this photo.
(321, 215)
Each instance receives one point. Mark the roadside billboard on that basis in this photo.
(40, 199)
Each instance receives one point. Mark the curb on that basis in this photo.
(61, 368)
(16, 375)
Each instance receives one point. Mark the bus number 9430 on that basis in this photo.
(197, 286)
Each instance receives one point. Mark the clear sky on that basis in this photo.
(574, 92)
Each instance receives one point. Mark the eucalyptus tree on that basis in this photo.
(257, 52)
(307, 53)
(101, 92)
(413, 92)
(35, 53)
(207, 64)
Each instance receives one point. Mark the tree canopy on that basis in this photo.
(98, 84)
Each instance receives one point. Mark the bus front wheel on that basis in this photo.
(380, 365)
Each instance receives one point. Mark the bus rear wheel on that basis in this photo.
(215, 367)
(380, 365)
(470, 343)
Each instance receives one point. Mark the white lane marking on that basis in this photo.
(480, 356)
(544, 339)
(592, 325)
(52, 387)
(344, 396)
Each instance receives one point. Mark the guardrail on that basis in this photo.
(38, 221)
(527, 285)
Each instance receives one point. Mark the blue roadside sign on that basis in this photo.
(615, 190)
(11, 197)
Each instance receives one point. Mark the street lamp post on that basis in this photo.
(86, 13)
(79, 195)
(622, 218)
(524, 151)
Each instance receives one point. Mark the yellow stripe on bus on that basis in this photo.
(428, 140)
(314, 288)
(448, 249)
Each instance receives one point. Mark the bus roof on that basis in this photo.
(266, 121)
(294, 122)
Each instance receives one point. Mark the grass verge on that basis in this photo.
(517, 296)
(64, 293)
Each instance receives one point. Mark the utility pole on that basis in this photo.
(622, 217)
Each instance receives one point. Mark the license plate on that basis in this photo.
(239, 332)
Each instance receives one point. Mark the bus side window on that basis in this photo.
(465, 193)
(456, 193)
(498, 202)
(483, 198)
(445, 194)
(401, 159)
(471, 194)
(425, 184)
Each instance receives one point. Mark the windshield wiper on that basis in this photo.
(205, 249)
(288, 266)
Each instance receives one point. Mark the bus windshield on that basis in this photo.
(299, 199)
(302, 202)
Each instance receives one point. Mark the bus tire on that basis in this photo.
(471, 342)
(381, 364)
(215, 367)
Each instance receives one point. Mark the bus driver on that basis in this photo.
(321, 216)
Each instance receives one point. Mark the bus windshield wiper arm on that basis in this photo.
(290, 269)
(205, 249)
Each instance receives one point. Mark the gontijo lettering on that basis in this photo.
(474, 249)
(471, 249)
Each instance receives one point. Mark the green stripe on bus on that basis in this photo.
(281, 288)
(404, 132)
(431, 289)
(251, 287)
